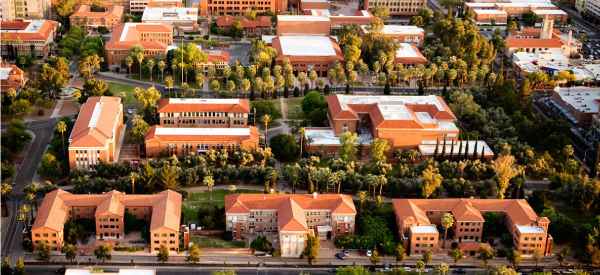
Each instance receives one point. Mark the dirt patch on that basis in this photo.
(34, 115)
(69, 108)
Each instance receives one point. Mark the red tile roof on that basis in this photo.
(96, 122)
(166, 207)
(152, 135)
(243, 203)
(17, 27)
(86, 11)
(15, 77)
(220, 56)
(169, 105)
(134, 33)
(533, 43)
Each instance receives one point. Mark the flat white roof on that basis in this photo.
(33, 27)
(526, 4)
(325, 136)
(430, 149)
(268, 38)
(204, 101)
(594, 69)
(399, 29)
(424, 229)
(583, 99)
(128, 26)
(170, 14)
(530, 229)
(407, 50)
(550, 12)
(479, 11)
(301, 18)
(306, 45)
(391, 107)
(202, 131)
(480, 5)
(122, 271)
(582, 73)
(4, 72)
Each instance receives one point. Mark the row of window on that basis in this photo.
(46, 235)
(84, 151)
(106, 220)
(423, 245)
(467, 230)
(109, 226)
(164, 242)
(164, 235)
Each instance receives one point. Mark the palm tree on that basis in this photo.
(31, 198)
(61, 126)
(132, 177)
(6, 191)
(362, 196)
(129, 62)
(25, 210)
(266, 119)
(161, 66)
(301, 132)
(245, 87)
(150, 65)
(447, 221)
(22, 217)
(379, 200)
(413, 155)
(140, 58)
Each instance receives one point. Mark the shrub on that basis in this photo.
(128, 248)
(183, 193)
(276, 253)
(40, 112)
(47, 103)
(501, 253)
(227, 236)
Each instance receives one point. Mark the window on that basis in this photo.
(37, 234)
(164, 235)
(155, 234)
(171, 235)
(53, 234)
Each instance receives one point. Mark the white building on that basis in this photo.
(184, 18)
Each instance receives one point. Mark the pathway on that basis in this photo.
(57, 109)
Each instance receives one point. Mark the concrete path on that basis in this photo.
(57, 109)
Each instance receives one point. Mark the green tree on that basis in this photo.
(456, 254)
(382, 12)
(446, 221)
(19, 268)
(462, 103)
(311, 249)
(499, 270)
(485, 254)
(441, 269)
(169, 82)
(194, 254)
(400, 254)
(168, 177)
(44, 251)
(537, 256)
(347, 151)
(379, 147)
(50, 166)
(163, 254)
(430, 181)
(506, 168)
(514, 257)
(265, 107)
(420, 266)
(70, 252)
(6, 269)
(261, 244)
(128, 61)
(236, 30)
(20, 107)
(375, 258)
(103, 252)
(427, 257)
(562, 255)
(284, 146)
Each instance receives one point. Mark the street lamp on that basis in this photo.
(298, 268)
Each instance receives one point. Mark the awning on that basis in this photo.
(325, 228)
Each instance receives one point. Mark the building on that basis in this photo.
(308, 53)
(292, 217)
(109, 18)
(203, 113)
(549, 62)
(303, 25)
(208, 7)
(32, 10)
(95, 136)
(183, 141)
(216, 58)
(314, 4)
(360, 18)
(580, 5)
(184, 18)
(162, 211)
(403, 34)
(400, 7)
(557, 15)
(256, 26)
(417, 220)
(498, 17)
(108, 3)
(405, 121)
(544, 39)
(140, 5)
(533, 45)
(122, 271)
(576, 105)
(593, 8)
(11, 77)
(409, 55)
(154, 37)
(39, 33)
(451, 151)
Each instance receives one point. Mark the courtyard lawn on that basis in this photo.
(117, 88)
(574, 215)
(190, 206)
(291, 105)
(213, 242)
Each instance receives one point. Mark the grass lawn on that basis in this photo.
(291, 105)
(200, 198)
(210, 242)
(157, 80)
(117, 88)
(574, 215)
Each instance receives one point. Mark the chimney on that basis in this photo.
(315, 195)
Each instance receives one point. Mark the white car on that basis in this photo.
(407, 269)
(369, 252)
(129, 111)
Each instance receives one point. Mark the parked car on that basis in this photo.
(369, 252)
(334, 270)
(407, 269)
(386, 269)
(346, 253)
(424, 270)
(459, 271)
(567, 271)
(339, 256)
(129, 111)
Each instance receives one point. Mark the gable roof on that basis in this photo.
(29, 29)
(179, 105)
(533, 43)
(292, 217)
(166, 207)
(86, 11)
(96, 122)
(126, 35)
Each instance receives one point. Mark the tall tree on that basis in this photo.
(194, 254)
(447, 221)
(311, 249)
(485, 254)
(168, 177)
(103, 252)
(163, 254)
(347, 149)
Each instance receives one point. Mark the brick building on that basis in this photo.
(499, 17)
(409, 55)
(303, 24)
(417, 220)
(38, 33)
(154, 37)
(396, 7)
(95, 136)
(306, 53)
(109, 18)
(404, 121)
(256, 26)
(203, 113)
(230, 7)
(162, 211)
(313, 4)
(292, 217)
(183, 141)
(184, 18)
(140, 5)
(11, 77)
(32, 10)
